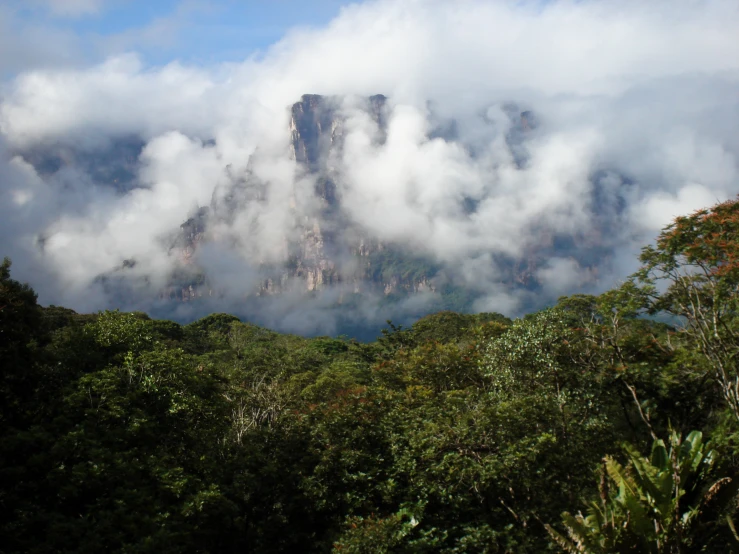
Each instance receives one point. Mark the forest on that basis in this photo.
(602, 424)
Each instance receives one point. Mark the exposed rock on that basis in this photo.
(327, 250)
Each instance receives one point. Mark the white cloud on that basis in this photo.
(637, 111)
(560, 274)
(117, 97)
(661, 207)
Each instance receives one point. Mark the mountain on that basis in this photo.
(278, 228)
(327, 249)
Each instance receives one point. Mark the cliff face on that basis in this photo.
(324, 251)
(315, 241)
(329, 252)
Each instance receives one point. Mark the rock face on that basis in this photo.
(324, 251)
(315, 245)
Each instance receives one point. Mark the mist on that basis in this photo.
(631, 120)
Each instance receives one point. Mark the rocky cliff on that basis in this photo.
(316, 241)
(324, 251)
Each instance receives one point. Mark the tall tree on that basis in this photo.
(20, 319)
(692, 273)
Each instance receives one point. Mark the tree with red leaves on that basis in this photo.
(692, 273)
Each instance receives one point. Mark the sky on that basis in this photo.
(49, 33)
(635, 103)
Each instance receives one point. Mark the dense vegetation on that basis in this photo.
(602, 424)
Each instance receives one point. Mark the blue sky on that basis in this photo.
(192, 31)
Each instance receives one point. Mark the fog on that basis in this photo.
(633, 115)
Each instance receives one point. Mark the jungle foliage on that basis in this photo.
(591, 426)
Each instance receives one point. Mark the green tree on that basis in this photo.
(20, 323)
(692, 274)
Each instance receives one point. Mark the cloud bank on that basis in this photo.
(635, 107)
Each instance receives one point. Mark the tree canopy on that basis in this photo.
(602, 424)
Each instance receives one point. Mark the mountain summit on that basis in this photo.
(325, 248)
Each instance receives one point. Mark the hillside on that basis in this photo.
(590, 426)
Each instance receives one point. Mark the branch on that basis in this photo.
(643, 416)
